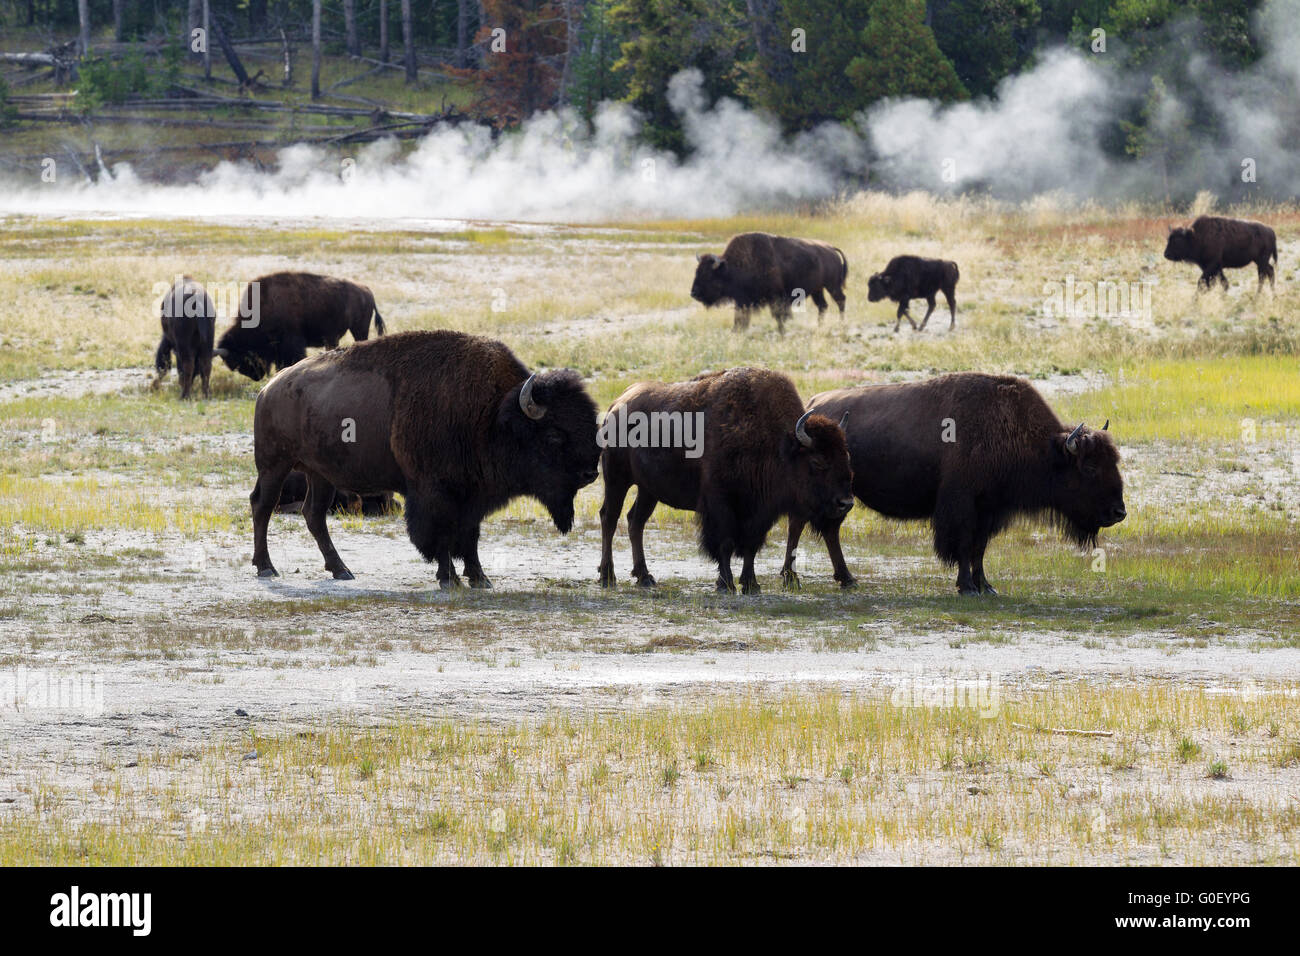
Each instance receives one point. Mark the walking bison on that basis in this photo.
(970, 453)
(1215, 243)
(453, 422)
(283, 314)
(912, 277)
(188, 320)
(761, 456)
(757, 270)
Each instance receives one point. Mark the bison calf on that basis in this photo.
(189, 321)
(293, 498)
(912, 277)
(1215, 243)
(283, 314)
(761, 456)
(453, 422)
(970, 453)
(757, 270)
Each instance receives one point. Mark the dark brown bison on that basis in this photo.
(453, 422)
(912, 277)
(749, 454)
(757, 270)
(283, 314)
(971, 453)
(293, 498)
(189, 321)
(1215, 243)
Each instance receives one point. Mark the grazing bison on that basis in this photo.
(761, 456)
(1215, 243)
(293, 498)
(282, 314)
(453, 422)
(912, 277)
(189, 322)
(971, 453)
(757, 270)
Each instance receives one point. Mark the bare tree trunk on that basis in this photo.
(117, 21)
(462, 33)
(207, 36)
(774, 53)
(408, 42)
(83, 19)
(315, 49)
(571, 18)
(350, 28)
(383, 31)
(193, 20)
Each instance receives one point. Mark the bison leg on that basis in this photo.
(468, 548)
(320, 495)
(615, 493)
(831, 536)
(718, 537)
(264, 498)
(904, 314)
(205, 372)
(929, 301)
(789, 576)
(726, 583)
(781, 312)
(637, 516)
(954, 536)
(819, 297)
(748, 579)
(951, 296)
(838, 296)
(185, 372)
(741, 322)
(292, 351)
(162, 362)
(1265, 272)
(430, 535)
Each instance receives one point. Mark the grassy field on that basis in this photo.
(106, 495)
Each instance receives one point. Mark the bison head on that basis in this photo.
(878, 287)
(823, 479)
(241, 353)
(1181, 246)
(1088, 490)
(549, 424)
(712, 280)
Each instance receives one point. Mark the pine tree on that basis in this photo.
(900, 56)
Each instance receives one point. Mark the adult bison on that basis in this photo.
(453, 422)
(971, 453)
(757, 270)
(283, 314)
(1215, 243)
(189, 321)
(759, 456)
(913, 277)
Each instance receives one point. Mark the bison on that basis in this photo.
(761, 456)
(453, 422)
(1215, 243)
(971, 453)
(757, 270)
(189, 321)
(282, 314)
(293, 497)
(912, 277)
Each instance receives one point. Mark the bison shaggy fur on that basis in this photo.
(757, 270)
(188, 320)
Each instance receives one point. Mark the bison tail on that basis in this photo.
(379, 323)
(162, 360)
(844, 266)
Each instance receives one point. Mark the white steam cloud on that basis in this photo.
(1052, 128)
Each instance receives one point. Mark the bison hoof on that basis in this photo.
(790, 580)
(968, 590)
(725, 587)
(988, 589)
(480, 583)
(647, 581)
(343, 574)
(268, 572)
(750, 587)
(849, 583)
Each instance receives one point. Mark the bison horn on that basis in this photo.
(1072, 443)
(1106, 427)
(526, 403)
(843, 418)
(800, 433)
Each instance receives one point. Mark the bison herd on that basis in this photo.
(459, 426)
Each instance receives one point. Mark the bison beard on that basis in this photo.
(757, 270)
(452, 422)
(763, 456)
(971, 453)
(1215, 243)
(283, 314)
(188, 320)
